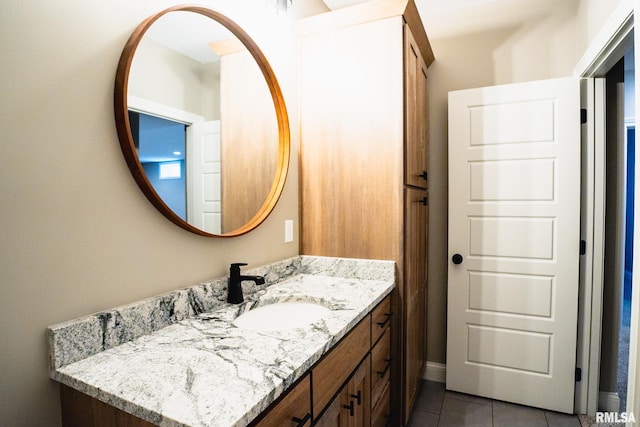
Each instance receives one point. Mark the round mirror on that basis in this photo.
(201, 121)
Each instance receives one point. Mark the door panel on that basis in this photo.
(514, 199)
(417, 211)
(204, 180)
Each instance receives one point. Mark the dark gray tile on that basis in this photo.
(511, 415)
(557, 419)
(430, 397)
(423, 419)
(457, 413)
(467, 397)
(590, 421)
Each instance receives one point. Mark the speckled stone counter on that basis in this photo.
(177, 359)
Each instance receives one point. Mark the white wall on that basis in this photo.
(546, 47)
(77, 235)
(164, 76)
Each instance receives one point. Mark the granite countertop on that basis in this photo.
(177, 359)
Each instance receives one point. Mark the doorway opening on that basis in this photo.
(618, 236)
(161, 147)
(625, 318)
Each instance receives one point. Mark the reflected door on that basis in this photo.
(204, 183)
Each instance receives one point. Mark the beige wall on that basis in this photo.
(547, 47)
(77, 234)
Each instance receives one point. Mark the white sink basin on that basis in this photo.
(281, 316)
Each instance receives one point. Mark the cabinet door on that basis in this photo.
(415, 295)
(351, 103)
(380, 366)
(249, 120)
(416, 114)
(294, 410)
(352, 406)
(338, 365)
(381, 412)
(359, 394)
(336, 415)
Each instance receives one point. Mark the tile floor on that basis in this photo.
(436, 407)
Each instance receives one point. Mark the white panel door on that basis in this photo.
(514, 218)
(204, 179)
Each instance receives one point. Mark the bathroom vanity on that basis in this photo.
(180, 360)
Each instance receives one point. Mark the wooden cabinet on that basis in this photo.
(416, 114)
(381, 362)
(293, 410)
(81, 410)
(364, 155)
(351, 407)
(415, 293)
(248, 157)
(380, 414)
(335, 368)
(364, 400)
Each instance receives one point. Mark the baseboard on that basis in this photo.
(608, 401)
(435, 372)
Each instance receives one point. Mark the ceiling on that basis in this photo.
(449, 18)
(442, 18)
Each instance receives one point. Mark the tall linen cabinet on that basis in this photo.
(363, 159)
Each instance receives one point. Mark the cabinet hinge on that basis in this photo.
(583, 116)
(583, 247)
(578, 375)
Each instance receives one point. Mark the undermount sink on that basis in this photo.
(281, 316)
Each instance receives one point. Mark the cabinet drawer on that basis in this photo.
(380, 318)
(380, 366)
(381, 412)
(292, 409)
(333, 370)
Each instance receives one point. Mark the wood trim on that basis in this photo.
(412, 17)
(368, 12)
(226, 47)
(120, 101)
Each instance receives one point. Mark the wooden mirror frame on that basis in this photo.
(126, 138)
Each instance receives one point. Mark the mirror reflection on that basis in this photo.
(203, 122)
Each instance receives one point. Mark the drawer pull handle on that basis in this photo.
(386, 321)
(386, 368)
(358, 397)
(349, 407)
(302, 421)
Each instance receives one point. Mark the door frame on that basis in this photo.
(142, 105)
(608, 47)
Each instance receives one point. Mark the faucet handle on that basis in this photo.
(235, 266)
